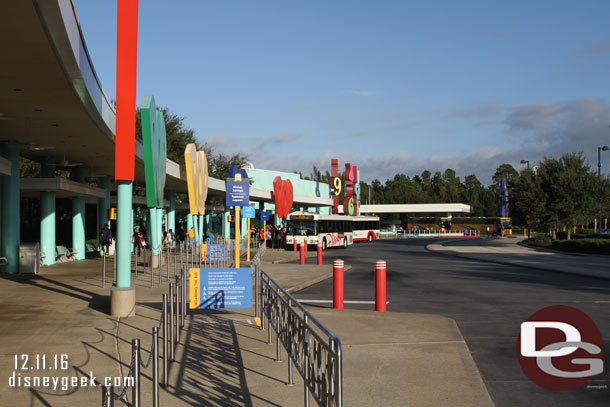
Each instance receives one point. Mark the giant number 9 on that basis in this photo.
(337, 185)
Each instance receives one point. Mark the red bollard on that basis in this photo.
(294, 245)
(302, 254)
(380, 285)
(305, 243)
(319, 253)
(338, 272)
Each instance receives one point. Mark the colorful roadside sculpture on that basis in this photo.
(196, 165)
(283, 193)
(350, 186)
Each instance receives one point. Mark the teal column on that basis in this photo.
(78, 217)
(104, 203)
(196, 226)
(123, 235)
(78, 227)
(200, 230)
(189, 222)
(47, 214)
(171, 212)
(153, 220)
(226, 226)
(9, 244)
(47, 227)
(243, 227)
(160, 227)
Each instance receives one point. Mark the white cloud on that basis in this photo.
(367, 93)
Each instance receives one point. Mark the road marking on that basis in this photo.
(331, 301)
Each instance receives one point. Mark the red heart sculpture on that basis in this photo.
(282, 189)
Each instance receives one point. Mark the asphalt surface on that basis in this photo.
(488, 302)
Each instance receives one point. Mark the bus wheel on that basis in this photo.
(324, 244)
(344, 243)
(370, 237)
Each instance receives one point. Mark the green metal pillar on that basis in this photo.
(196, 226)
(123, 235)
(189, 222)
(78, 227)
(160, 227)
(78, 217)
(226, 226)
(171, 213)
(9, 246)
(200, 228)
(47, 214)
(153, 222)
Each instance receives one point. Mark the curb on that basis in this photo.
(315, 281)
(507, 263)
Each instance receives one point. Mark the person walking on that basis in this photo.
(191, 235)
(105, 239)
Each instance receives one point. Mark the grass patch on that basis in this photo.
(589, 245)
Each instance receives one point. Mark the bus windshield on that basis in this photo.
(506, 224)
(302, 227)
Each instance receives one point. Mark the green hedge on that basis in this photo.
(595, 245)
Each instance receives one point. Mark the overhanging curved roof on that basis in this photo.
(53, 104)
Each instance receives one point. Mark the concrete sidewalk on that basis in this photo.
(222, 358)
(508, 251)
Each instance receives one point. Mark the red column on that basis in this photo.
(302, 254)
(305, 243)
(380, 285)
(294, 244)
(338, 273)
(319, 253)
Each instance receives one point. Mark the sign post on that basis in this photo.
(238, 195)
(248, 213)
(264, 218)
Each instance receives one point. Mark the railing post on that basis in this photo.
(165, 358)
(155, 366)
(168, 262)
(107, 396)
(184, 295)
(171, 321)
(152, 270)
(114, 269)
(136, 252)
(135, 349)
(380, 286)
(306, 361)
(278, 357)
(177, 311)
(338, 284)
(104, 272)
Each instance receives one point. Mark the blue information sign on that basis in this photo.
(238, 193)
(264, 215)
(220, 288)
(249, 211)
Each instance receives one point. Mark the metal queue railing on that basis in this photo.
(174, 306)
(311, 348)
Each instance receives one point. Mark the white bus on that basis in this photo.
(330, 230)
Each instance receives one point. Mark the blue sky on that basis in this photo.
(392, 86)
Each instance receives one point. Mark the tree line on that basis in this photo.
(555, 193)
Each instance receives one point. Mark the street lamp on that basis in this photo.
(525, 162)
(599, 179)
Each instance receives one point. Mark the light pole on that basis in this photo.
(528, 167)
(599, 179)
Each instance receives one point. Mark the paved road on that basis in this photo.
(488, 301)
